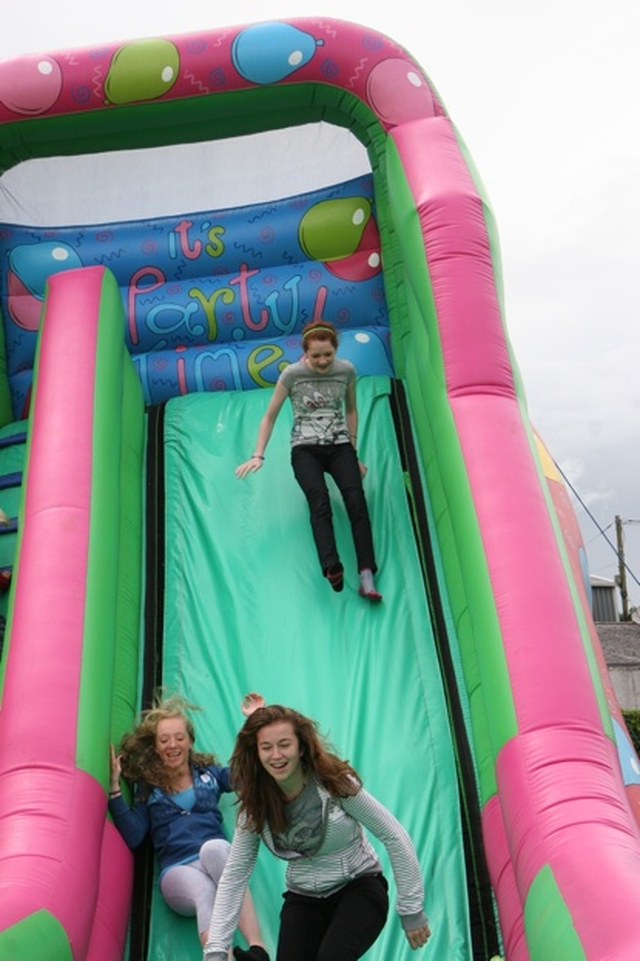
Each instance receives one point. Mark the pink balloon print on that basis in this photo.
(363, 263)
(30, 85)
(398, 92)
(24, 308)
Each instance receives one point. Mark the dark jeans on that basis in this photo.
(338, 928)
(310, 462)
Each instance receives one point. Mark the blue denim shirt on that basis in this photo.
(177, 835)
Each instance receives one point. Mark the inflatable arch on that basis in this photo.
(138, 357)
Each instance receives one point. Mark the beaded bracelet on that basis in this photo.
(259, 456)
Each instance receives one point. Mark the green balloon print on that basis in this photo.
(333, 229)
(142, 70)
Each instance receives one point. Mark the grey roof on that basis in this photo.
(597, 581)
(620, 643)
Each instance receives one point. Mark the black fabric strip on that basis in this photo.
(483, 921)
(154, 555)
(143, 880)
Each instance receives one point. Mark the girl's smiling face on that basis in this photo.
(279, 753)
(319, 354)
(173, 743)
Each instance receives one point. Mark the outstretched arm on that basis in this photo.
(265, 430)
(231, 891)
(404, 862)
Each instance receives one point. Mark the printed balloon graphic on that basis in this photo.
(142, 70)
(30, 85)
(268, 52)
(398, 92)
(366, 349)
(29, 267)
(343, 234)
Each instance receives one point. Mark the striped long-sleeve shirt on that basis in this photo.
(343, 854)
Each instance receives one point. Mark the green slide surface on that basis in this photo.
(246, 609)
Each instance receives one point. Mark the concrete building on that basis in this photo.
(604, 599)
(621, 648)
(620, 642)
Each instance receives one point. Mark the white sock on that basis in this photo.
(366, 581)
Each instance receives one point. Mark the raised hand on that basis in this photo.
(251, 702)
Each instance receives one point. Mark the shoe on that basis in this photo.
(255, 953)
(335, 576)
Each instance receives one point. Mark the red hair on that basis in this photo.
(320, 330)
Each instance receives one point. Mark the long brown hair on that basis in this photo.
(259, 797)
(141, 762)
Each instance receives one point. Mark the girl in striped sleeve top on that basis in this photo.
(308, 806)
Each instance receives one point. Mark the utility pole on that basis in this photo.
(622, 570)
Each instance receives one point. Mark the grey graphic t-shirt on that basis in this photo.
(303, 833)
(318, 402)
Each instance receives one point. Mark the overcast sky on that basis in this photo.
(546, 98)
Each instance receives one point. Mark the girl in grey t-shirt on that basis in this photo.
(322, 390)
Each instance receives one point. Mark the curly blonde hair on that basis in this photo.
(141, 763)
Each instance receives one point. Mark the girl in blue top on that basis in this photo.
(322, 390)
(177, 791)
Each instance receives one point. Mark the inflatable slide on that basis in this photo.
(139, 353)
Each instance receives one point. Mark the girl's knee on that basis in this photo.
(213, 856)
(317, 496)
(355, 503)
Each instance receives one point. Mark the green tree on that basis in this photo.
(632, 720)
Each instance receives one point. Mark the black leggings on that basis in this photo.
(341, 927)
(310, 462)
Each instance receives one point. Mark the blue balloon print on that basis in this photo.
(626, 754)
(268, 52)
(33, 263)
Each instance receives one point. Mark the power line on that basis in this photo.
(602, 531)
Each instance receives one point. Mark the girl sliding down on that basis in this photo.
(322, 390)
